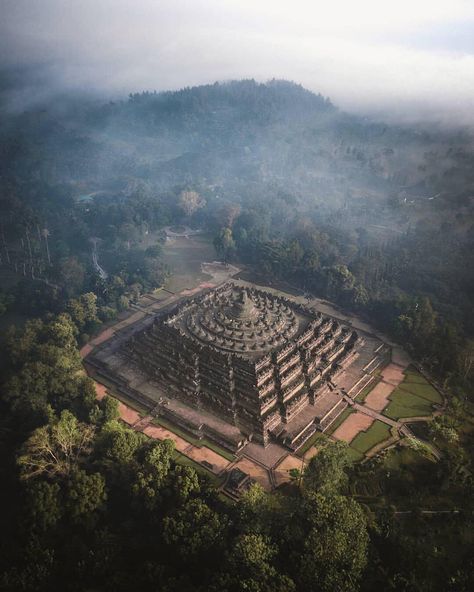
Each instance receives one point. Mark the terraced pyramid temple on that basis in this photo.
(246, 356)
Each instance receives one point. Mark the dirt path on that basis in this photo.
(377, 399)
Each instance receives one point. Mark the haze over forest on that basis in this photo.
(403, 61)
(324, 150)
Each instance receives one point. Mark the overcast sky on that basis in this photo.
(412, 57)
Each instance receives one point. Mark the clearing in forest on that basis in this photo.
(184, 256)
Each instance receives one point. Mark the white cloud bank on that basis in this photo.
(413, 58)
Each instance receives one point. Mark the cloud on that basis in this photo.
(411, 57)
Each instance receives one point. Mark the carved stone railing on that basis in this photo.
(290, 375)
(288, 363)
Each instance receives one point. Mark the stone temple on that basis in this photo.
(252, 360)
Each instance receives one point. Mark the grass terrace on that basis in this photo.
(414, 397)
(378, 432)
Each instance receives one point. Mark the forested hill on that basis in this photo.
(275, 132)
(376, 218)
(345, 190)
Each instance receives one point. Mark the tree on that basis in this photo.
(249, 567)
(84, 494)
(227, 214)
(152, 473)
(224, 243)
(119, 443)
(257, 510)
(5, 301)
(55, 449)
(326, 471)
(194, 530)
(339, 280)
(184, 482)
(48, 370)
(83, 310)
(190, 202)
(43, 504)
(335, 549)
(129, 233)
(72, 275)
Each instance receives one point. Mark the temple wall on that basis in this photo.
(256, 394)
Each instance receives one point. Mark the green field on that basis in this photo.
(413, 397)
(376, 433)
(354, 455)
(184, 257)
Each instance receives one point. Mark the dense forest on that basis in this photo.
(376, 218)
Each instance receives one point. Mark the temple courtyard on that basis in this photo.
(278, 413)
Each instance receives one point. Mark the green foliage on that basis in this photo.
(6, 300)
(184, 482)
(55, 449)
(153, 471)
(119, 443)
(335, 549)
(194, 530)
(72, 274)
(84, 494)
(301, 192)
(250, 567)
(43, 504)
(83, 310)
(224, 243)
(326, 471)
(444, 428)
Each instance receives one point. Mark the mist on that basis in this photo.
(404, 61)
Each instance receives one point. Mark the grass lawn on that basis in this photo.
(354, 455)
(344, 415)
(184, 258)
(413, 397)
(376, 433)
(192, 440)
